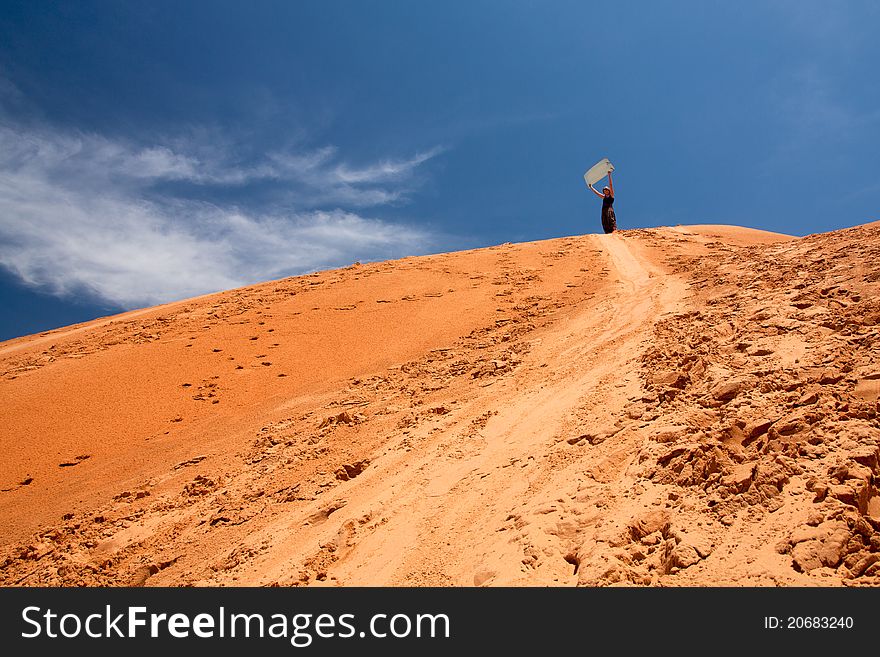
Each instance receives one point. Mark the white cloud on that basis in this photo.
(83, 213)
(385, 171)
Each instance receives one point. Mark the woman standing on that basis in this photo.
(609, 221)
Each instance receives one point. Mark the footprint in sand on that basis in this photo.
(76, 461)
(27, 481)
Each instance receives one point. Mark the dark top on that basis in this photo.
(607, 202)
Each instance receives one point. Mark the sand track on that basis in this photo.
(441, 516)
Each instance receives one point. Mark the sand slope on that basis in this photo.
(678, 406)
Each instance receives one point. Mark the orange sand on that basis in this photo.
(677, 406)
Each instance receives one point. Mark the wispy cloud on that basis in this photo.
(384, 171)
(81, 213)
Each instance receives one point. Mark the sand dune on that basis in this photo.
(691, 406)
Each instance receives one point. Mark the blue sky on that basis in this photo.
(154, 151)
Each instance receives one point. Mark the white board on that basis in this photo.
(598, 171)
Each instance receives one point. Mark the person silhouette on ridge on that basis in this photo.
(609, 221)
